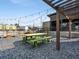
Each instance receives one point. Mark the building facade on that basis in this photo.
(46, 26)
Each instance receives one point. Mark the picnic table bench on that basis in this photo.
(36, 38)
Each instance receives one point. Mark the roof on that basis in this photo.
(51, 14)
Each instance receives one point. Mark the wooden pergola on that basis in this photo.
(61, 6)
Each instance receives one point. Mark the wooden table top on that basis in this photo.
(34, 34)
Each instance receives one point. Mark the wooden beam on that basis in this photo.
(60, 4)
(70, 26)
(67, 3)
(58, 31)
(71, 7)
(57, 8)
(58, 1)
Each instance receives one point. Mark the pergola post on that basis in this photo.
(70, 28)
(58, 31)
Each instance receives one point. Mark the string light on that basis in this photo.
(41, 15)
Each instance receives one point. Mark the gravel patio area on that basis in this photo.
(69, 50)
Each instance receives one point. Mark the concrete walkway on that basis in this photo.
(7, 43)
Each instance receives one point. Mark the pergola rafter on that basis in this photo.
(68, 2)
(62, 3)
(57, 8)
(58, 1)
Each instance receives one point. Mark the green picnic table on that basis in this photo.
(36, 38)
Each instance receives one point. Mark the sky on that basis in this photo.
(23, 11)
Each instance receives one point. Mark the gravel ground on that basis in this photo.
(69, 50)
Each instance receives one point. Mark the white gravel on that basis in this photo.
(69, 50)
